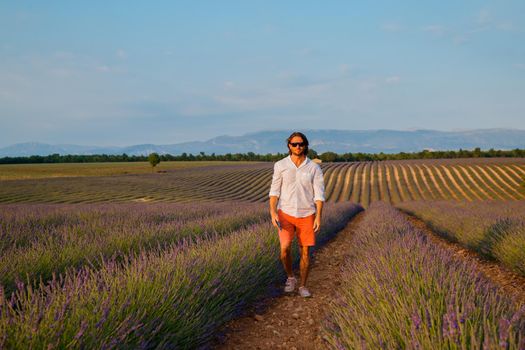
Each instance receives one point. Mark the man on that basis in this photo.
(296, 204)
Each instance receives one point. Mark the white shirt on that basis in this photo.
(297, 187)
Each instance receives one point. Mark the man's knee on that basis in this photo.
(304, 250)
(285, 252)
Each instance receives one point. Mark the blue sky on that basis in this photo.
(125, 72)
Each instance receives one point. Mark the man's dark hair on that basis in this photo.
(301, 135)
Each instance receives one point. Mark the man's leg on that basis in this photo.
(286, 234)
(286, 259)
(305, 264)
(306, 238)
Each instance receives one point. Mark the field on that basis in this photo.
(104, 259)
(359, 182)
(401, 291)
(36, 171)
(494, 229)
(172, 294)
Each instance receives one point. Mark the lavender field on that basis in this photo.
(157, 294)
(400, 291)
(37, 241)
(165, 260)
(469, 180)
(495, 229)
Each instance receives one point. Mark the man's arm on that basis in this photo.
(275, 193)
(318, 197)
(273, 210)
(318, 215)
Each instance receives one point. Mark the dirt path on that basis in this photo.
(289, 321)
(511, 283)
(292, 322)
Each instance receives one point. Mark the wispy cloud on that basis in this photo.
(344, 68)
(485, 20)
(393, 79)
(103, 69)
(436, 30)
(121, 54)
(484, 17)
(482, 21)
(460, 39)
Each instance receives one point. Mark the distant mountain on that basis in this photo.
(340, 141)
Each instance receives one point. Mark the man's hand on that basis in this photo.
(317, 223)
(273, 211)
(275, 220)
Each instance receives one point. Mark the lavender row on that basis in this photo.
(52, 239)
(24, 224)
(494, 229)
(171, 298)
(400, 291)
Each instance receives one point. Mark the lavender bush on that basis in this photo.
(39, 241)
(495, 229)
(163, 298)
(400, 291)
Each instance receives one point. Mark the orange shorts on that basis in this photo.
(303, 226)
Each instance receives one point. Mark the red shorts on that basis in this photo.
(304, 227)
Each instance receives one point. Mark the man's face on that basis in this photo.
(295, 145)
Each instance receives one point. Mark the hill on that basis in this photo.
(340, 141)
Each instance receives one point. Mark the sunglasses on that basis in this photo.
(297, 144)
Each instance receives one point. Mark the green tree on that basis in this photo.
(329, 157)
(153, 159)
(312, 154)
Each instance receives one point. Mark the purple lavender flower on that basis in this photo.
(504, 326)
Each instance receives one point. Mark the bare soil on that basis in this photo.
(290, 321)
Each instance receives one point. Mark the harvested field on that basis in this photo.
(359, 182)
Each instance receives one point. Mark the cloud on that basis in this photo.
(435, 29)
(344, 68)
(485, 20)
(460, 39)
(506, 26)
(484, 17)
(103, 69)
(61, 87)
(393, 79)
(520, 66)
(121, 54)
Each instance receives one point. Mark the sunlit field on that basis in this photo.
(113, 255)
(167, 276)
(358, 182)
(34, 171)
(493, 229)
(401, 291)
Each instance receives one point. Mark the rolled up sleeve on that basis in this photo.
(277, 179)
(318, 185)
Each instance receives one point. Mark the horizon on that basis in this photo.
(112, 75)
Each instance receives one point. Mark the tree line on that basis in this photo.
(251, 156)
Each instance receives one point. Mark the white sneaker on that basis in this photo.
(304, 292)
(290, 284)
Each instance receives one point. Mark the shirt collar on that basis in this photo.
(306, 161)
